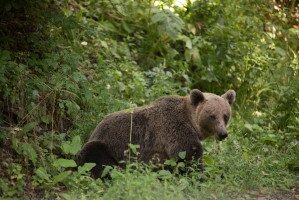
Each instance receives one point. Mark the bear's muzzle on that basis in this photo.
(222, 135)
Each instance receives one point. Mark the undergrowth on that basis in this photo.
(64, 65)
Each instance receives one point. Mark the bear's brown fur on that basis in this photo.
(167, 126)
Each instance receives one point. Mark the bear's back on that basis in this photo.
(141, 122)
(163, 107)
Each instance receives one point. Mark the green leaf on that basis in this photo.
(66, 147)
(270, 138)
(183, 184)
(187, 40)
(42, 173)
(60, 177)
(181, 165)
(46, 119)
(2, 136)
(280, 51)
(188, 55)
(16, 144)
(28, 127)
(64, 163)
(170, 162)
(133, 148)
(164, 173)
(168, 22)
(104, 44)
(248, 127)
(126, 27)
(75, 145)
(106, 170)
(72, 147)
(195, 56)
(86, 167)
(158, 17)
(245, 156)
(29, 152)
(66, 196)
(182, 154)
(208, 160)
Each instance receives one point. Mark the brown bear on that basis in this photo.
(164, 128)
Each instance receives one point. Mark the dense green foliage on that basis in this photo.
(64, 65)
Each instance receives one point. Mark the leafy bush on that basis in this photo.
(64, 65)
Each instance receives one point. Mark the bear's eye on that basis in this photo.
(212, 117)
(225, 117)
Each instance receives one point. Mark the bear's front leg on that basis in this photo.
(96, 152)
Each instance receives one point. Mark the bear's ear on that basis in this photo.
(230, 96)
(196, 97)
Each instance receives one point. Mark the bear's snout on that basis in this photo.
(222, 135)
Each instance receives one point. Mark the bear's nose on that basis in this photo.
(222, 135)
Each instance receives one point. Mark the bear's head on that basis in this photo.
(212, 112)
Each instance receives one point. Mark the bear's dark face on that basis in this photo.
(213, 114)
